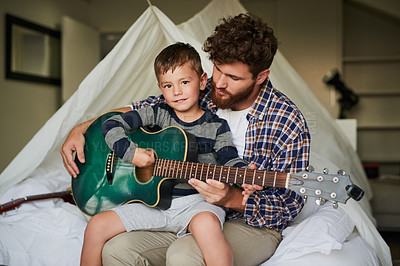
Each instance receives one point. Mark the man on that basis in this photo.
(269, 132)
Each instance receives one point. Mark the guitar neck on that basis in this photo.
(224, 174)
(15, 203)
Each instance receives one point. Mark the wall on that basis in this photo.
(309, 32)
(26, 106)
(371, 67)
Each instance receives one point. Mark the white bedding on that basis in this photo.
(50, 232)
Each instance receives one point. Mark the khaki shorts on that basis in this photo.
(250, 246)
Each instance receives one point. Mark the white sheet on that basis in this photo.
(49, 231)
(45, 232)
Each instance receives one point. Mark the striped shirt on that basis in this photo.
(277, 139)
(214, 140)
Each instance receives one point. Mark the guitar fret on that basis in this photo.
(165, 168)
(244, 175)
(227, 175)
(263, 183)
(168, 165)
(156, 168)
(175, 171)
(208, 169)
(197, 166)
(215, 167)
(236, 175)
(254, 175)
(220, 173)
(273, 185)
(180, 168)
(201, 174)
(160, 173)
(186, 168)
(191, 169)
(287, 180)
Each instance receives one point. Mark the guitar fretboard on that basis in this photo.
(224, 174)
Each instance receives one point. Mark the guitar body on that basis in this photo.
(97, 188)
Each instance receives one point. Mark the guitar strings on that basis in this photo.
(226, 174)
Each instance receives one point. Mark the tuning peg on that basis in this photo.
(341, 172)
(325, 171)
(335, 204)
(320, 201)
(355, 192)
(305, 199)
(310, 168)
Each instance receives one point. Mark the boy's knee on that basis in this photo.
(205, 218)
(204, 222)
(94, 226)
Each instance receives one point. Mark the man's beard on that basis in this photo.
(232, 100)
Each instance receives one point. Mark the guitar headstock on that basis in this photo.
(326, 187)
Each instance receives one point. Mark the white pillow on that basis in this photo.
(323, 231)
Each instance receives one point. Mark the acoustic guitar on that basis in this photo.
(105, 181)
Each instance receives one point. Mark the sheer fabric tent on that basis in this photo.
(51, 231)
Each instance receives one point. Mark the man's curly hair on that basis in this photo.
(245, 38)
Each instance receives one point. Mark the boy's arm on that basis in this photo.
(75, 142)
(114, 131)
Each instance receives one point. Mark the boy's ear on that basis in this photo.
(203, 81)
(262, 76)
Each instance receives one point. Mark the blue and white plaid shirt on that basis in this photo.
(277, 139)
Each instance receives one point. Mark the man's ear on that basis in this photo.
(262, 76)
(203, 81)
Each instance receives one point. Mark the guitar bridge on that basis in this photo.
(110, 167)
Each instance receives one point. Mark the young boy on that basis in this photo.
(180, 79)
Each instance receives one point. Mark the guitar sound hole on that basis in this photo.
(144, 173)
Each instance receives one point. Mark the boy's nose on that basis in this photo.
(177, 91)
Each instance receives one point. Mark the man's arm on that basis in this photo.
(220, 194)
(75, 142)
(273, 207)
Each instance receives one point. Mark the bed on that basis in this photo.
(50, 231)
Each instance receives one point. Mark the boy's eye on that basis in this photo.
(185, 82)
(167, 86)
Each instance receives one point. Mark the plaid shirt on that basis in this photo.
(277, 139)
